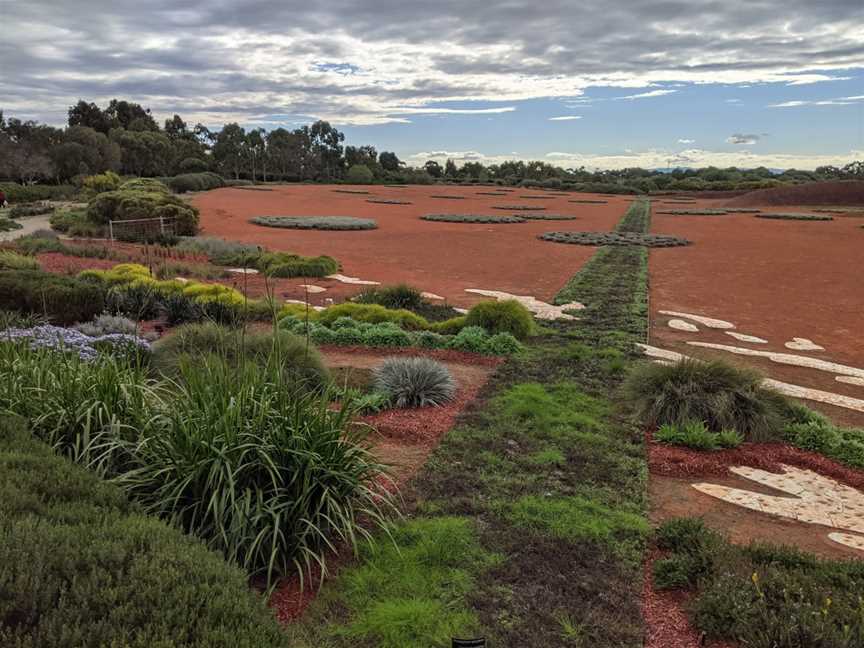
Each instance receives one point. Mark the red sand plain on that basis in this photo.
(775, 279)
(442, 258)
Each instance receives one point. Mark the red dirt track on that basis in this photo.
(774, 279)
(442, 258)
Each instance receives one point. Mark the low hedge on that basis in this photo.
(8, 225)
(472, 218)
(315, 222)
(549, 217)
(63, 300)
(25, 211)
(79, 566)
(16, 193)
(196, 182)
(382, 201)
(614, 238)
(373, 314)
(507, 316)
(590, 202)
(518, 208)
(799, 217)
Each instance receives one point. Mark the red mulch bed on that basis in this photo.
(677, 461)
(666, 623)
(60, 263)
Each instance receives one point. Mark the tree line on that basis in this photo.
(125, 137)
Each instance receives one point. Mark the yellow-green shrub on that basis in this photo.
(373, 314)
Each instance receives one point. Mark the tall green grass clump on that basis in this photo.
(270, 476)
(298, 361)
(508, 316)
(414, 382)
(721, 395)
(396, 297)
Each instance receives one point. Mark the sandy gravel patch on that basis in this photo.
(540, 309)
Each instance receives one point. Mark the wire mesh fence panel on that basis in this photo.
(142, 229)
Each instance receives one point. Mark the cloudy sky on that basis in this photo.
(595, 83)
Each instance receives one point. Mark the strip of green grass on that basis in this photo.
(540, 492)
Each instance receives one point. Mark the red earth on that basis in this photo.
(441, 258)
(775, 279)
(839, 192)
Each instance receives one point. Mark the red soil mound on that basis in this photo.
(840, 192)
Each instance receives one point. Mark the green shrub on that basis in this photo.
(76, 223)
(401, 296)
(219, 250)
(449, 326)
(315, 222)
(471, 338)
(8, 225)
(26, 211)
(96, 184)
(429, 340)
(190, 341)
(812, 431)
(722, 395)
(192, 165)
(800, 217)
(386, 334)
(508, 316)
(203, 181)
(16, 193)
(502, 344)
(284, 264)
(63, 300)
(614, 238)
(80, 567)
(359, 174)
(10, 260)
(268, 476)
(373, 314)
(143, 199)
(694, 434)
(414, 382)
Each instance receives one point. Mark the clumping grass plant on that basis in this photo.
(723, 396)
(270, 476)
(414, 382)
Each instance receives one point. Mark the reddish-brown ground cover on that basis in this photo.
(774, 279)
(442, 258)
(840, 192)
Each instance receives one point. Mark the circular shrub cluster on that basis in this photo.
(448, 197)
(316, 222)
(472, 218)
(696, 212)
(550, 217)
(491, 193)
(351, 191)
(614, 238)
(382, 201)
(518, 208)
(537, 197)
(590, 202)
(802, 217)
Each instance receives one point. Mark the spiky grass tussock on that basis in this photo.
(415, 382)
(725, 397)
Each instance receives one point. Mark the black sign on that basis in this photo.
(469, 643)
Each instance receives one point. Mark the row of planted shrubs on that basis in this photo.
(274, 264)
(710, 405)
(81, 566)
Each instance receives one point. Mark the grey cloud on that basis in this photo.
(188, 53)
(742, 138)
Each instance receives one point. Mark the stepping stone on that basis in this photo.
(850, 380)
(313, 289)
(246, 271)
(428, 295)
(849, 540)
(353, 280)
(803, 344)
(710, 322)
(303, 303)
(540, 309)
(681, 325)
(746, 338)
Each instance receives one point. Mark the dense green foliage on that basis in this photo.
(507, 316)
(81, 567)
(812, 431)
(414, 382)
(10, 260)
(359, 174)
(695, 434)
(614, 238)
(139, 199)
(63, 300)
(763, 596)
(191, 342)
(399, 296)
(799, 217)
(373, 314)
(203, 181)
(721, 395)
